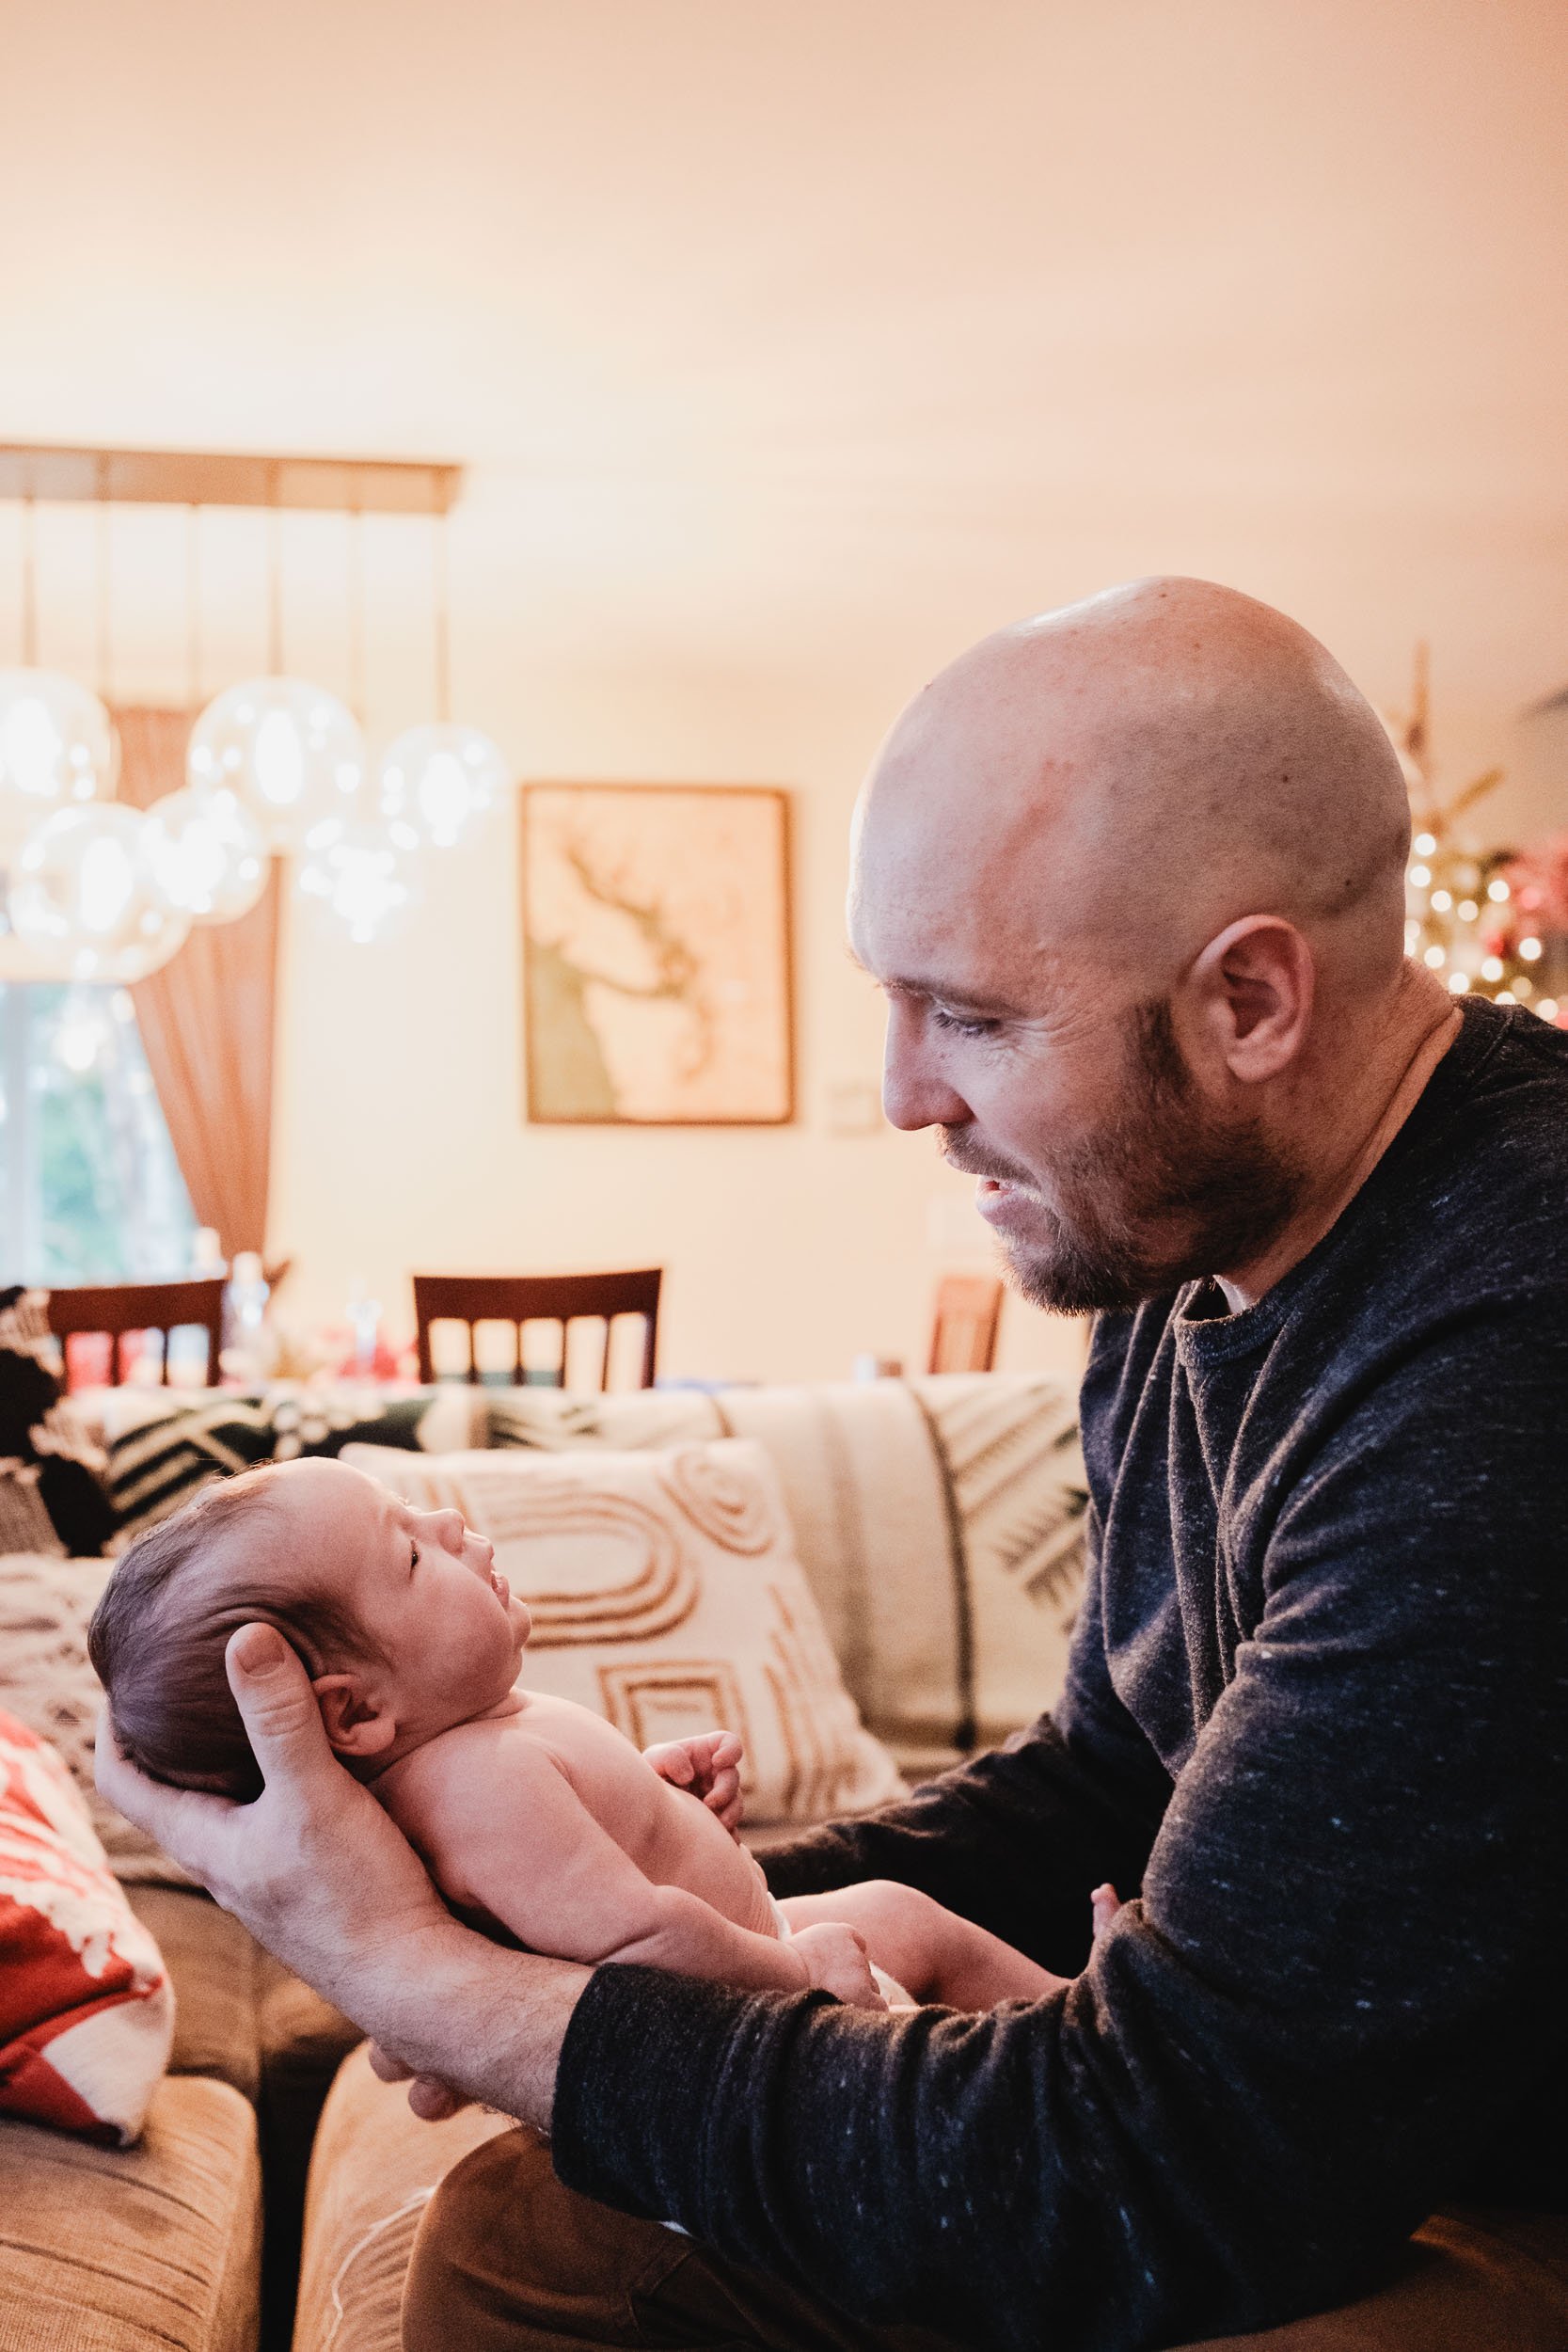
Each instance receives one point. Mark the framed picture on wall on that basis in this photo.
(656, 970)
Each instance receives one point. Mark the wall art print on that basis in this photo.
(656, 954)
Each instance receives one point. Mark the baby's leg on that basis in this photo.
(933, 1953)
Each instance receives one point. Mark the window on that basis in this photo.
(89, 1187)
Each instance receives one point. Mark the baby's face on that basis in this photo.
(421, 1582)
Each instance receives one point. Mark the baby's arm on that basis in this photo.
(504, 1832)
(707, 1766)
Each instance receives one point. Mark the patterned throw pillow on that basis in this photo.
(48, 1684)
(162, 1447)
(939, 1520)
(41, 1428)
(86, 2015)
(24, 1524)
(666, 1594)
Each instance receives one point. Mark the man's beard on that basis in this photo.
(1169, 1191)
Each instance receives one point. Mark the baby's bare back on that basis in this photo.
(444, 1798)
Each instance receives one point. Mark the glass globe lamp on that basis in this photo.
(361, 870)
(439, 779)
(86, 895)
(56, 745)
(209, 852)
(291, 751)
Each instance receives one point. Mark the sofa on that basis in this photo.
(273, 2197)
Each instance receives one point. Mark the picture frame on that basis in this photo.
(657, 955)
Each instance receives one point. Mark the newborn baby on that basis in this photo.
(536, 1818)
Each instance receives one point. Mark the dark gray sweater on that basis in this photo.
(1317, 1718)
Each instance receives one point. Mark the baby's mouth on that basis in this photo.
(500, 1586)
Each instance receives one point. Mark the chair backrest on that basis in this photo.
(964, 1328)
(521, 1298)
(118, 1308)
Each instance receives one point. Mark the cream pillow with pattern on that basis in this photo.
(666, 1594)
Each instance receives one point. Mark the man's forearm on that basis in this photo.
(486, 2021)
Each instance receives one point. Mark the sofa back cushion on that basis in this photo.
(666, 1595)
(86, 2017)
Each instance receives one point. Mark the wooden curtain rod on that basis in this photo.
(146, 477)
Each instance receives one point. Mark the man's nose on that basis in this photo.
(916, 1091)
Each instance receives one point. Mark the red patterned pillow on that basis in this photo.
(86, 2012)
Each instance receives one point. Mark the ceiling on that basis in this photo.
(837, 331)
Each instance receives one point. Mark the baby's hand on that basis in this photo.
(1103, 1903)
(707, 1766)
(837, 1962)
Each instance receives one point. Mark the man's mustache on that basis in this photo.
(959, 1152)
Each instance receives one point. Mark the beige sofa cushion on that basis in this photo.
(374, 2170)
(666, 1596)
(151, 2249)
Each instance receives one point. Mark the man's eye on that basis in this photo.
(957, 1024)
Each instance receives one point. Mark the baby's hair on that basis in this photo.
(161, 1660)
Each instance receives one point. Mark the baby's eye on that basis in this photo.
(413, 1558)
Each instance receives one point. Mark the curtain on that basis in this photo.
(206, 1019)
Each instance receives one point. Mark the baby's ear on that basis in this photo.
(357, 1725)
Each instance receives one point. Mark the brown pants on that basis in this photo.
(509, 2261)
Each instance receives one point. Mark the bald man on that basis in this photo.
(1131, 877)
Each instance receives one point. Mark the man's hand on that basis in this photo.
(706, 1765)
(322, 1877)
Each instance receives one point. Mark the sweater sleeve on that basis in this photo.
(1015, 1840)
(1342, 1978)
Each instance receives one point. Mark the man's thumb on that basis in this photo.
(272, 1693)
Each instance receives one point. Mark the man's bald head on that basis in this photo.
(1132, 877)
(1125, 777)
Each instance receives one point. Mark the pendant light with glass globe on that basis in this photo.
(57, 743)
(209, 851)
(85, 900)
(292, 752)
(438, 778)
(276, 764)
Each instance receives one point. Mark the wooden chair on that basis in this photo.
(119, 1307)
(964, 1328)
(521, 1298)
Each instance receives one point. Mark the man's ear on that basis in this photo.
(1250, 993)
(357, 1724)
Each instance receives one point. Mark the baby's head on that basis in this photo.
(402, 1623)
